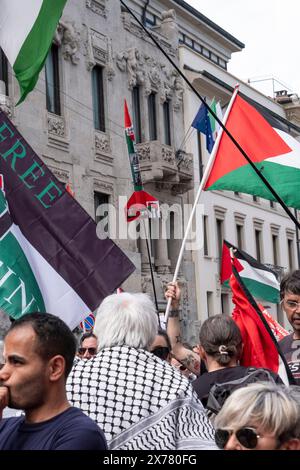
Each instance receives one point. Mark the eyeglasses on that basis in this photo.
(292, 304)
(92, 351)
(161, 352)
(247, 437)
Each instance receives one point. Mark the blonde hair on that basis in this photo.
(274, 408)
(126, 320)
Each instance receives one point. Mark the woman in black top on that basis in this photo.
(220, 348)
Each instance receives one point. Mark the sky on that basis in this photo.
(270, 31)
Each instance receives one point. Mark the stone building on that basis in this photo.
(74, 121)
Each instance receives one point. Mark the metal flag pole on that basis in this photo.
(202, 184)
(147, 236)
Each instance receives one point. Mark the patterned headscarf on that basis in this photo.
(140, 401)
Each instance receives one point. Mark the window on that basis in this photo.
(225, 304)
(52, 81)
(205, 235)
(136, 105)
(3, 72)
(152, 116)
(98, 98)
(291, 254)
(167, 124)
(258, 245)
(100, 199)
(239, 236)
(255, 199)
(201, 165)
(273, 204)
(275, 249)
(210, 305)
(220, 237)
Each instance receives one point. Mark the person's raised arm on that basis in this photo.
(187, 357)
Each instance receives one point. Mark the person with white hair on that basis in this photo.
(261, 416)
(139, 400)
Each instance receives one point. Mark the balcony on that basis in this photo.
(168, 170)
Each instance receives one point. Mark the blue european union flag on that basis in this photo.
(202, 124)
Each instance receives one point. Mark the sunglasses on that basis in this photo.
(161, 352)
(92, 351)
(247, 437)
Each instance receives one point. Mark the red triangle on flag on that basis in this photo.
(226, 264)
(253, 133)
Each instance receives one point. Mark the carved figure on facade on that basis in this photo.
(102, 144)
(97, 6)
(5, 105)
(56, 125)
(179, 90)
(68, 37)
(132, 61)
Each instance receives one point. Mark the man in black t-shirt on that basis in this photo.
(290, 301)
(39, 350)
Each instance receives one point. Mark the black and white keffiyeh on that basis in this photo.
(140, 401)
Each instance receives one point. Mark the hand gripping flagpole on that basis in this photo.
(202, 184)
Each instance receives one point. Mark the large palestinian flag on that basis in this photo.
(26, 31)
(50, 256)
(274, 152)
(260, 280)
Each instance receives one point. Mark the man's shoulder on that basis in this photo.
(8, 424)
(286, 340)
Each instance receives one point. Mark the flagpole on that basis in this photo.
(147, 233)
(202, 184)
(248, 159)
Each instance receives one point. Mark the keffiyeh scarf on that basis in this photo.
(139, 401)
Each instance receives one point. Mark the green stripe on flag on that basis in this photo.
(34, 51)
(284, 179)
(261, 291)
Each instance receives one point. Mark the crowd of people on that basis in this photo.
(129, 385)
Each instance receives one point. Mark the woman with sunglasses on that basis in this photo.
(261, 416)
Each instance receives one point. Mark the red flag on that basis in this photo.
(259, 349)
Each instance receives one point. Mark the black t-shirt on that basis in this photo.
(291, 350)
(70, 430)
(203, 384)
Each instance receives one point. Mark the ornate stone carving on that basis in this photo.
(97, 6)
(62, 175)
(102, 144)
(154, 75)
(131, 26)
(97, 49)
(56, 125)
(168, 155)
(178, 94)
(5, 105)
(103, 187)
(68, 37)
(144, 153)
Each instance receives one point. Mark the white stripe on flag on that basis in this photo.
(59, 298)
(259, 275)
(14, 28)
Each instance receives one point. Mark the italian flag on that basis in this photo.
(27, 28)
(274, 152)
(259, 279)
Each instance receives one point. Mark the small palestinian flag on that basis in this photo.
(261, 281)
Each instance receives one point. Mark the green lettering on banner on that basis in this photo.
(3, 137)
(47, 192)
(19, 290)
(31, 172)
(15, 155)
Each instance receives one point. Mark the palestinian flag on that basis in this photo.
(274, 152)
(50, 256)
(27, 28)
(140, 200)
(259, 279)
(260, 347)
